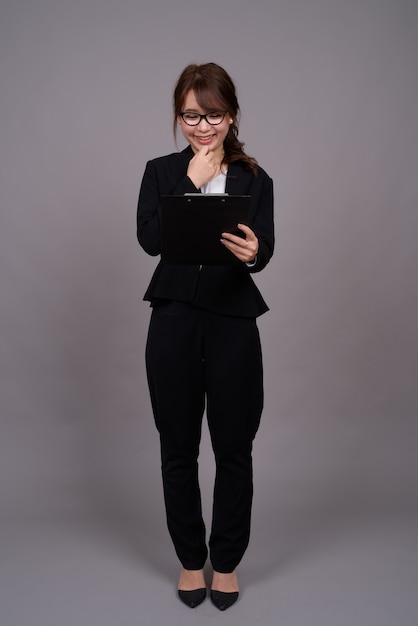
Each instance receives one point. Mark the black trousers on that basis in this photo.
(196, 358)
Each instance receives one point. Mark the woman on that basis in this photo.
(203, 345)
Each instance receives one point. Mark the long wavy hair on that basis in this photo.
(213, 89)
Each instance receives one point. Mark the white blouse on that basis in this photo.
(216, 185)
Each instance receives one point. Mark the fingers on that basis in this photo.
(244, 249)
(202, 151)
(249, 234)
(202, 167)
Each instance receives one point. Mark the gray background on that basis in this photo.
(328, 91)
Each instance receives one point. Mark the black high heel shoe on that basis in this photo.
(223, 600)
(192, 598)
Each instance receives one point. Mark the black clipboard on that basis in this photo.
(191, 227)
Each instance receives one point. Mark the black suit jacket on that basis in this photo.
(221, 289)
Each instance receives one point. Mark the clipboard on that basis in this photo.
(191, 227)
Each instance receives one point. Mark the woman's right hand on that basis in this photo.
(203, 167)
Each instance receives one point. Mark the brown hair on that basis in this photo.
(214, 89)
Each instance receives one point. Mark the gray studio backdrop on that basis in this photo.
(328, 90)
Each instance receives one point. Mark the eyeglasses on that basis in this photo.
(193, 119)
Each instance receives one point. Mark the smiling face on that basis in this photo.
(203, 134)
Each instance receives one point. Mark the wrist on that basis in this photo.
(194, 183)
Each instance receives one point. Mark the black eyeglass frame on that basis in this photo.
(203, 117)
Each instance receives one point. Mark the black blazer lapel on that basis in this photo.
(237, 180)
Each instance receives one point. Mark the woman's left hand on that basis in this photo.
(244, 249)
